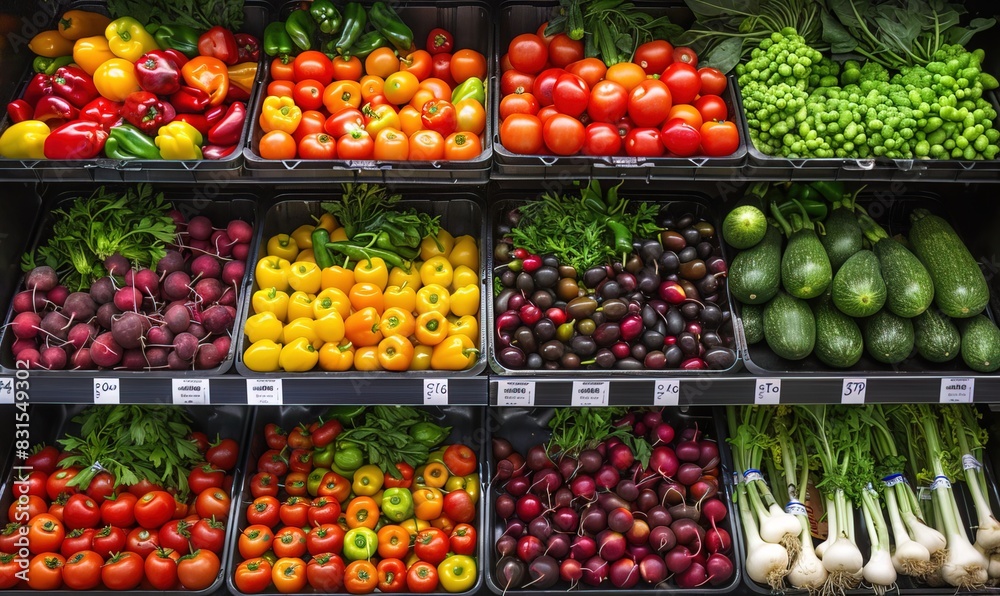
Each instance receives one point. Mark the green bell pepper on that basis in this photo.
(472, 87)
(385, 20)
(345, 414)
(182, 38)
(397, 504)
(323, 457)
(355, 19)
(50, 65)
(326, 15)
(301, 27)
(277, 42)
(817, 210)
(360, 544)
(315, 479)
(348, 457)
(429, 434)
(128, 142)
(366, 44)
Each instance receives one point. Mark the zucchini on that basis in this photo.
(752, 316)
(755, 273)
(843, 235)
(936, 336)
(981, 344)
(805, 268)
(746, 224)
(960, 289)
(858, 289)
(888, 337)
(909, 289)
(789, 327)
(838, 337)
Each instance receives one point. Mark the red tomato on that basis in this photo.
(312, 65)
(308, 94)
(391, 576)
(439, 116)
(160, 568)
(45, 534)
(518, 103)
(108, 541)
(544, 84)
(608, 102)
(462, 146)
(521, 133)
(527, 53)
(654, 56)
(431, 545)
(325, 572)
(76, 541)
(289, 542)
(176, 534)
(81, 512)
(540, 32)
(253, 576)
(56, 482)
(82, 571)
(685, 55)
(27, 507)
(295, 510)
(591, 70)
(563, 135)
(43, 459)
(513, 80)
(426, 145)
(680, 137)
(208, 534)
(35, 482)
(687, 113)
(312, 122)
(318, 145)
(263, 510)
(649, 102)
(142, 541)
(683, 81)
(441, 68)
(343, 122)
(602, 139)
(458, 506)
(281, 71)
(213, 502)
(422, 577)
(460, 459)
(463, 540)
(347, 69)
(44, 571)
(142, 487)
(154, 509)
(198, 570)
(563, 51)
(719, 138)
(205, 476)
(643, 142)
(325, 510)
(356, 144)
(101, 487)
(570, 95)
(262, 483)
(711, 107)
(547, 112)
(466, 64)
(123, 571)
(325, 538)
(224, 453)
(713, 81)
(505, 63)
(281, 88)
(255, 541)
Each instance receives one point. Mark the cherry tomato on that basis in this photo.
(462, 146)
(683, 81)
(466, 64)
(81, 512)
(356, 144)
(417, 62)
(711, 107)
(713, 81)
(527, 53)
(680, 137)
(123, 571)
(347, 69)
(160, 568)
(277, 144)
(313, 65)
(312, 122)
(626, 74)
(441, 68)
(213, 502)
(518, 103)
(643, 142)
(460, 459)
(360, 577)
(686, 112)
(601, 139)
(382, 62)
(685, 55)
(289, 575)
(198, 570)
(544, 85)
(514, 81)
(522, 133)
(570, 95)
(318, 145)
(282, 71)
(308, 94)
(563, 51)
(591, 70)
(649, 102)
(82, 571)
(327, 510)
(439, 41)
(654, 56)
(719, 138)
(426, 145)
(205, 476)
(608, 102)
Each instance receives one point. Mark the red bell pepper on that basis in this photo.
(219, 42)
(19, 111)
(248, 47)
(236, 94)
(53, 107)
(75, 85)
(147, 112)
(38, 87)
(217, 151)
(80, 139)
(178, 57)
(158, 72)
(227, 130)
(214, 114)
(190, 100)
(102, 110)
(198, 121)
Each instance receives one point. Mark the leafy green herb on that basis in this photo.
(200, 15)
(367, 210)
(385, 440)
(133, 443)
(577, 429)
(134, 224)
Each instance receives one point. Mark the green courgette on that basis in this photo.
(755, 273)
(746, 224)
(909, 289)
(936, 337)
(960, 289)
(858, 288)
(981, 344)
(888, 337)
(752, 316)
(805, 268)
(789, 327)
(842, 235)
(838, 337)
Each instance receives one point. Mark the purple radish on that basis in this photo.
(26, 325)
(720, 569)
(624, 574)
(652, 569)
(595, 571)
(199, 228)
(105, 351)
(529, 548)
(41, 279)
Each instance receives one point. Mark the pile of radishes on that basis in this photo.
(601, 517)
(177, 316)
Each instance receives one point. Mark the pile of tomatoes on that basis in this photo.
(140, 538)
(384, 107)
(556, 101)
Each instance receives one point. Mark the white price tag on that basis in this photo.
(516, 393)
(192, 392)
(107, 391)
(591, 393)
(6, 390)
(666, 392)
(435, 392)
(767, 392)
(957, 390)
(264, 392)
(853, 391)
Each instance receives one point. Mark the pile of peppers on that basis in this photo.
(125, 91)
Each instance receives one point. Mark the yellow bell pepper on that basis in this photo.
(115, 80)
(179, 140)
(465, 300)
(24, 140)
(262, 356)
(298, 356)
(304, 276)
(421, 357)
(75, 24)
(303, 236)
(368, 480)
(337, 277)
(432, 246)
(465, 252)
(272, 272)
(301, 327)
(373, 271)
(280, 113)
(400, 297)
(242, 76)
(331, 300)
(466, 325)
(469, 484)
(306, 256)
(432, 328)
(413, 527)
(50, 44)
(284, 246)
(263, 325)
(336, 356)
(328, 222)
(433, 297)
(456, 352)
(396, 321)
(128, 39)
(436, 270)
(464, 276)
(271, 300)
(338, 235)
(411, 279)
(91, 52)
(330, 328)
(300, 304)
(366, 359)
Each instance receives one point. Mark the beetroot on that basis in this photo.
(216, 319)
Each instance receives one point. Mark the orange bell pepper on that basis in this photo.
(362, 328)
(403, 297)
(362, 512)
(395, 353)
(336, 357)
(337, 277)
(427, 503)
(242, 75)
(397, 321)
(436, 475)
(432, 328)
(335, 486)
(366, 359)
(341, 94)
(443, 523)
(364, 295)
(209, 74)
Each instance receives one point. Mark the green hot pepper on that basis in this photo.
(182, 38)
(50, 65)
(816, 210)
(366, 44)
(301, 27)
(320, 238)
(385, 20)
(326, 16)
(397, 504)
(831, 191)
(344, 414)
(623, 237)
(128, 142)
(355, 19)
(472, 87)
(277, 42)
(359, 252)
